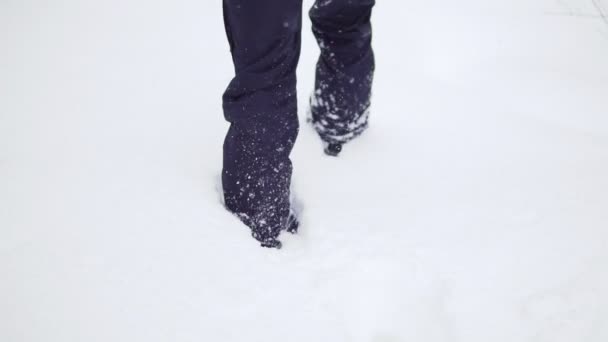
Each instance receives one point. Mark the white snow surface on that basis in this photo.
(474, 209)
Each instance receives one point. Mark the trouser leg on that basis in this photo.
(260, 104)
(341, 99)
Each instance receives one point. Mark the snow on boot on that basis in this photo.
(271, 243)
(292, 224)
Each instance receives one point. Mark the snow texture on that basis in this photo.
(474, 208)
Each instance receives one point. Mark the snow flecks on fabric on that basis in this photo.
(322, 3)
(333, 120)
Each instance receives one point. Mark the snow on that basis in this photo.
(474, 208)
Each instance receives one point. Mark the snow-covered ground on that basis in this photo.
(475, 208)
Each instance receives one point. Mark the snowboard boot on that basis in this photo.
(333, 149)
(292, 224)
(266, 239)
(333, 131)
(271, 243)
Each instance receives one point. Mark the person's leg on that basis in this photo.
(260, 104)
(341, 99)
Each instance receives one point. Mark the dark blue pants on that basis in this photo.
(261, 105)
